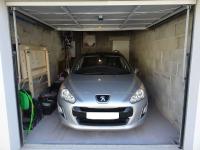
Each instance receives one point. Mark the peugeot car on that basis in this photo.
(102, 92)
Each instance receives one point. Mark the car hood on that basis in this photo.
(85, 87)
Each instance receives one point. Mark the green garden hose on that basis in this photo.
(26, 102)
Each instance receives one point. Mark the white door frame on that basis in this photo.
(96, 2)
(9, 128)
(192, 126)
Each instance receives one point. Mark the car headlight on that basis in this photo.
(67, 96)
(138, 95)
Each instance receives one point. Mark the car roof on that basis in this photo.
(103, 53)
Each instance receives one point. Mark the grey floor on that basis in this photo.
(155, 130)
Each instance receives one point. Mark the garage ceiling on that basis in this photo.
(92, 18)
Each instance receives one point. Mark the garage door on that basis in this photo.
(130, 17)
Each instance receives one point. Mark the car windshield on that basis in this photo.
(102, 65)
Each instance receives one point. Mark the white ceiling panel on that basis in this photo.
(147, 15)
(91, 9)
(53, 22)
(158, 8)
(95, 16)
(140, 21)
(84, 18)
(136, 25)
(43, 9)
(101, 22)
(50, 16)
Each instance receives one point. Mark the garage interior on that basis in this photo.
(155, 39)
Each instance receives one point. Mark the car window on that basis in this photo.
(102, 65)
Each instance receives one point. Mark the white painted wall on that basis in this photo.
(9, 129)
(95, 2)
(192, 128)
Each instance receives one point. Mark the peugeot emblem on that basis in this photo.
(102, 98)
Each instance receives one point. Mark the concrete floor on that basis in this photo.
(155, 130)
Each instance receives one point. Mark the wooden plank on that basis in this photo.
(48, 69)
(39, 68)
(35, 76)
(38, 73)
(30, 78)
(34, 64)
(23, 62)
(37, 59)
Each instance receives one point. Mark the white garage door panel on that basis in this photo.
(94, 2)
(80, 15)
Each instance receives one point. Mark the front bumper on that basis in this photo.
(130, 115)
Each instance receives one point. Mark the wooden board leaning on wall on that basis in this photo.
(34, 63)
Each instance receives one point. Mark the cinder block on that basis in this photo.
(30, 34)
(180, 28)
(159, 53)
(180, 42)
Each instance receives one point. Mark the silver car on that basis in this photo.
(102, 92)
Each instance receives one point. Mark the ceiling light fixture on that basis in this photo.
(100, 17)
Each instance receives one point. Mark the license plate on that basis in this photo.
(102, 115)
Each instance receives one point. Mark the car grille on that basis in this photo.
(90, 122)
(85, 109)
(124, 114)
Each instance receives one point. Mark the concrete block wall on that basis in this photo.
(31, 33)
(158, 53)
(38, 35)
(103, 40)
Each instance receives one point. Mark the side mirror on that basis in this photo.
(136, 71)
